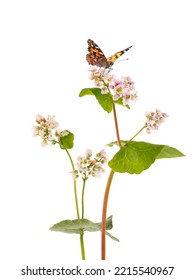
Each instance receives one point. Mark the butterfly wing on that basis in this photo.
(113, 58)
(96, 55)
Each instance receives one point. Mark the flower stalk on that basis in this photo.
(83, 194)
(107, 191)
(104, 212)
(82, 246)
(75, 185)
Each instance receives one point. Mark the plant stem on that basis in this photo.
(77, 208)
(104, 212)
(76, 200)
(137, 133)
(82, 217)
(75, 186)
(83, 193)
(106, 194)
(116, 126)
(82, 245)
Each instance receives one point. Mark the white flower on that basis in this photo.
(104, 90)
(39, 118)
(44, 143)
(126, 98)
(74, 174)
(64, 133)
(88, 153)
(46, 129)
(51, 123)
(87, 165)
(35, 131)
(153, 119)
(116, 96)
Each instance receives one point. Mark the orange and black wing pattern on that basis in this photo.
(97, 57)
(114, 57)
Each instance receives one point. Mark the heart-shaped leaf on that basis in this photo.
(135, 157)
(76, 226)
(105, 100)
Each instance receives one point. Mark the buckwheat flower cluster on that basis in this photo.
(101, 77)
(125, 89)
(47, 129)
(154, 119)
(119, 88)
(88, 165)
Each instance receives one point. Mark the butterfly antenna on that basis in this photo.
(122, 59)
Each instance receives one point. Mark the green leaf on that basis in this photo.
(89, 91)
(112, 237)
(169, 152)
(105, 100)
(136, 157)
(76, 226)
(67, 141)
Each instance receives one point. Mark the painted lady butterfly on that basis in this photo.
(97, 57)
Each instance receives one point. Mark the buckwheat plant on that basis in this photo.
(133, 157)
(86, 166)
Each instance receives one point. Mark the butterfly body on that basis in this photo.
(97, 57)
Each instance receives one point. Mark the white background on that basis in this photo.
(43, 68)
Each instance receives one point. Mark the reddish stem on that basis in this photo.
(106, 195)
(116, 127)
(104, 212)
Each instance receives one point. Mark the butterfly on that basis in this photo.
(97, 57)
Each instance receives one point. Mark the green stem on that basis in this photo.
(116, 126)
(83, 193)
(75, 186)
(82, 245)
(76, 200)
(82, 232)
(137, 133)
(77, 209)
